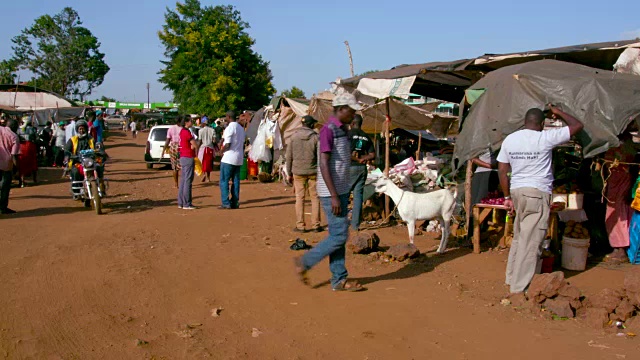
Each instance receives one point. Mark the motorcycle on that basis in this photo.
(91, 189)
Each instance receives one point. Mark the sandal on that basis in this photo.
(349, 285)
(301, 271)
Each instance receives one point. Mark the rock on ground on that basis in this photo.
(607, 299)
(633, 324)
(569, 291)
(632, 280)
(574, 303)
(401, 252)
(625, 310)
(546, 285)
(518, 300)
(597, 317)
(364, 243)
(634, 298)
(559, 307)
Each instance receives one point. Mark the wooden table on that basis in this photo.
(482, 211)
(480, 214)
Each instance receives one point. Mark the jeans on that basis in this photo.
(5, 187)
(227, 172)
(334, 244)
(301, 183)
(358, 177)
(186, 181)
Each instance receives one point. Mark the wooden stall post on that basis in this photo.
(419, 145)
(387, 125)
(467, 195)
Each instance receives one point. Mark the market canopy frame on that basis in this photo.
(448, 80)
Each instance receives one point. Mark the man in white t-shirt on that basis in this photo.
(527, 155)
(232, 159)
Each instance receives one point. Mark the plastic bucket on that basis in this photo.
(574, 253)
(243, 170)
(253, 168)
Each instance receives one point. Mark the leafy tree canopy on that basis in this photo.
(107, 99)
(63, 56)
(8, 70)
(210, 66)
(367, 72)
(294, 93)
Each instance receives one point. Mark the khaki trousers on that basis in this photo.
(302, 183)
(529, 230)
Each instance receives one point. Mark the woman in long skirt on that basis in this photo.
(28, 157)
(618, 215)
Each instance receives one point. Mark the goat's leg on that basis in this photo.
(445, 235)
(411, 226)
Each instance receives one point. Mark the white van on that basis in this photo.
(154, 149)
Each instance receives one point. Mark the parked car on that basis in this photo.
(114, 120)
(153, 153)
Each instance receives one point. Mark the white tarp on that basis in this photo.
(384, 88)
(32, 100)
(628, 62)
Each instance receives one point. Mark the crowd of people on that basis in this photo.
(24, 147)
(329, 165)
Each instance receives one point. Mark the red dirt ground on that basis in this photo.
(77, 286)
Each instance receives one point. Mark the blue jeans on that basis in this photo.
(332, 245)
(358, 176)
(228, 171)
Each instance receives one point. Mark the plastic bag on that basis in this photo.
(300, 244)
(259, 150)
(197, 166)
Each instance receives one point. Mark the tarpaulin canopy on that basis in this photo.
(290, 118)
(29, 98)
(606, 102)
(58, 114)
(403, 117)
(448, 80)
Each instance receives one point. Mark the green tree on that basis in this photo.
(8, 70)
(63, 56)
(294, 93)
(368, 72)
(107, 99)
(210, 65)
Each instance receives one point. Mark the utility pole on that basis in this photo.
(148, 98)
(346, 43)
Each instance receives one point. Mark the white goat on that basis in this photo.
(437, 205)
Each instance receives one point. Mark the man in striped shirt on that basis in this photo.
(333, 189)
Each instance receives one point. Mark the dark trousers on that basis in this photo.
(5, 187)
(58, 155)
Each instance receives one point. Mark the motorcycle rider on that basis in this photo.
(79, 142)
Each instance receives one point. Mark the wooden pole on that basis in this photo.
(419, 145)
(346, 43)
(387, 125)
(467, 194)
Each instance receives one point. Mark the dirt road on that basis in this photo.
(140, 282)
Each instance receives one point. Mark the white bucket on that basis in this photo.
(574, 253)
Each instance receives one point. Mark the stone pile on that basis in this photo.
(609, 307)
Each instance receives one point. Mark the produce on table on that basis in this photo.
(493, 198)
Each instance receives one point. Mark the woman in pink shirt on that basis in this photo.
(188, 147)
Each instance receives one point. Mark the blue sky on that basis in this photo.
(303, 40)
